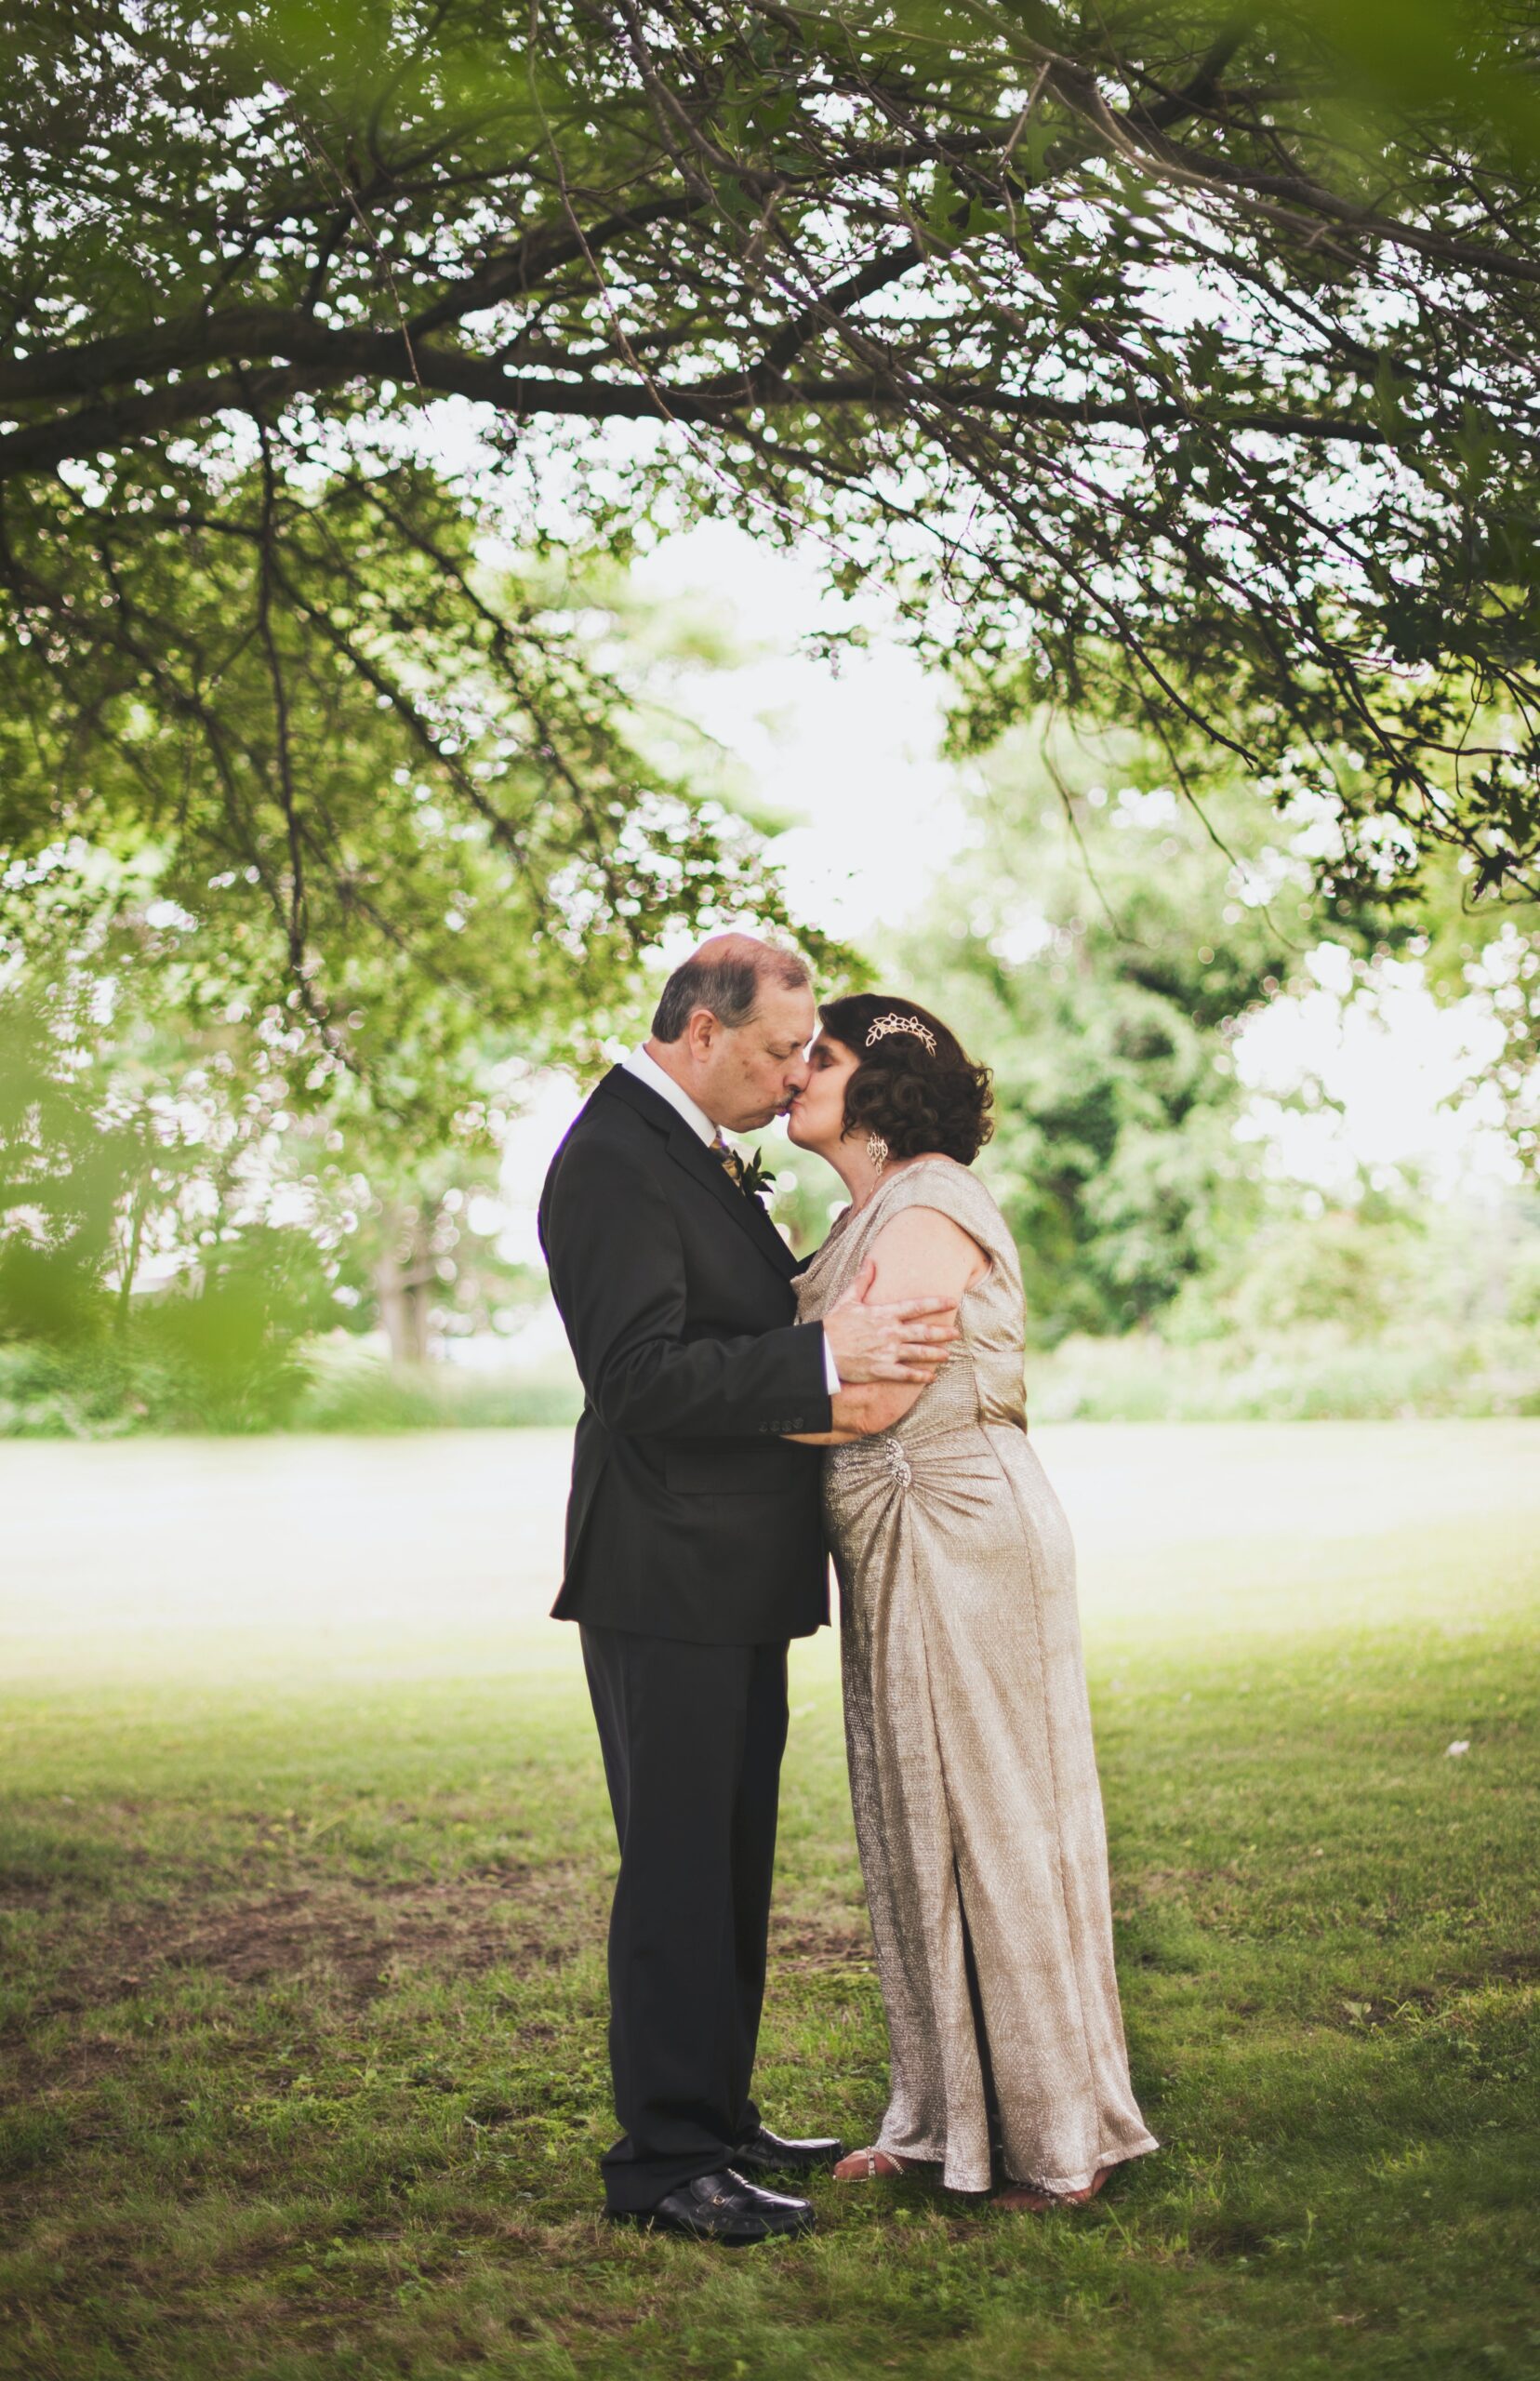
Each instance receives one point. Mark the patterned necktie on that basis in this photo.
(729, 1160)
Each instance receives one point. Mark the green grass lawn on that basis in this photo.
(303, 1869)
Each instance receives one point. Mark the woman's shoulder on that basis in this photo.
(936, 1181)
(933, 1215)
(946, 1187)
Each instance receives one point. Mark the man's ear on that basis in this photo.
(701, 1032)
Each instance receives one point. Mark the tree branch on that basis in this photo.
(332, 357)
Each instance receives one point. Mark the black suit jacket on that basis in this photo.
(690, 1516)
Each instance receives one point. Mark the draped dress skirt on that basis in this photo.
(979, 1812)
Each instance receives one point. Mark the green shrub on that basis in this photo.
(360, 1394)
(1303, 1375)
(104, 1390)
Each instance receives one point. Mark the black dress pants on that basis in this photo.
(692, 1738)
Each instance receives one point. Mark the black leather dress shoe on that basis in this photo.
(724, 2207)
(768, 2154)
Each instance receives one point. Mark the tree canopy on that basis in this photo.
(361, 781)
(1102, 952)
(1174, 363)
(288, 1133)
(1171, 365)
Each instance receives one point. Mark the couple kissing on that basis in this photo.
(746, 1416)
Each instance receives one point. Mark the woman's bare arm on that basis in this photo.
(920, 1254)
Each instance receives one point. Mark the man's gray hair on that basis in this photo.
(725, 975)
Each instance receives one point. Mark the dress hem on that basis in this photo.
(919, 2157)
(1061, 2186)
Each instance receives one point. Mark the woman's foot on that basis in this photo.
(1021, 2198)
(863, 2165)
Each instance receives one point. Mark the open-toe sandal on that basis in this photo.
(863, 2166)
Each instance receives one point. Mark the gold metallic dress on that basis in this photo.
(979, 1812)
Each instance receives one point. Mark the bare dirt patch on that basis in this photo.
(818, 1943)
(1506, 1970)
(362, 1938)
(358, 1937)
(26, 1892)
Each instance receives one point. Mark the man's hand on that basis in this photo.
(909, 1341)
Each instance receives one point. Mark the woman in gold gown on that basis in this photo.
(978, 1808)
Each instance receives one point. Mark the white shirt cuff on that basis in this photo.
(831, 1370)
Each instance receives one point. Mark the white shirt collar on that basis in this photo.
(641, 1064)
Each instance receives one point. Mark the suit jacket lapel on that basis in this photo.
(690, 1151)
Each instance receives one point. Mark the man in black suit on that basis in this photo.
(694, 1551)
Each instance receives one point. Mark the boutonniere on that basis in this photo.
(756, 1178)
(751, 1174)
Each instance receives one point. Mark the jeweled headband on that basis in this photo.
(882, 1026)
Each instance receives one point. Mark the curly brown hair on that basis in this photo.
(920, 1102)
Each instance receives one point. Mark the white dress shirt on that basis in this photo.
(644, 1067)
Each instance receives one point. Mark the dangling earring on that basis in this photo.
(877, 1150)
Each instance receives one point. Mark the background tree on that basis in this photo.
(1171, 365)
(1103, 949)
(367, 778)
(1175, 360)
(194, 1175)
(421, 1260)
(128, 1165)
